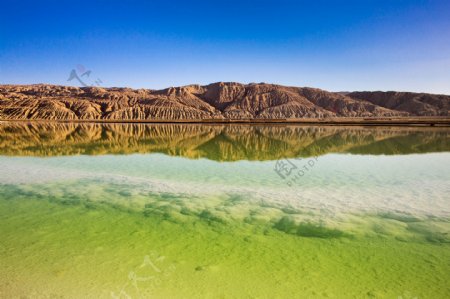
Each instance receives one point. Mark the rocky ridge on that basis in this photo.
(213, 101)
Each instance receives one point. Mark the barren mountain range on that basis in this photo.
(219, 101)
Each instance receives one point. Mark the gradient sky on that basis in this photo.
(334, 45)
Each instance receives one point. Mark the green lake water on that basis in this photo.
(209, 211)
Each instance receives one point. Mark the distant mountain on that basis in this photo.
(421, 104)
(213, 101)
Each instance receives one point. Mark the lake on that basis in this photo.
(223, 211)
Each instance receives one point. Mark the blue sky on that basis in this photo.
(334, 45)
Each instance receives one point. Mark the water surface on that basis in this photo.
(209, 211)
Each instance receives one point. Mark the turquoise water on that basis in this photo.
(187, 211)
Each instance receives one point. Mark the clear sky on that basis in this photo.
(334, 45)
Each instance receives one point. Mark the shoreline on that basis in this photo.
(409, 121)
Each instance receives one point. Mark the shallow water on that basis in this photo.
(205, 211)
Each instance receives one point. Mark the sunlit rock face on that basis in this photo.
(213, 101)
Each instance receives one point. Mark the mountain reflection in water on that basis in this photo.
(216, 142)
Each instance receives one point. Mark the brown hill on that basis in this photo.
(213, 101)
(421, 104)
